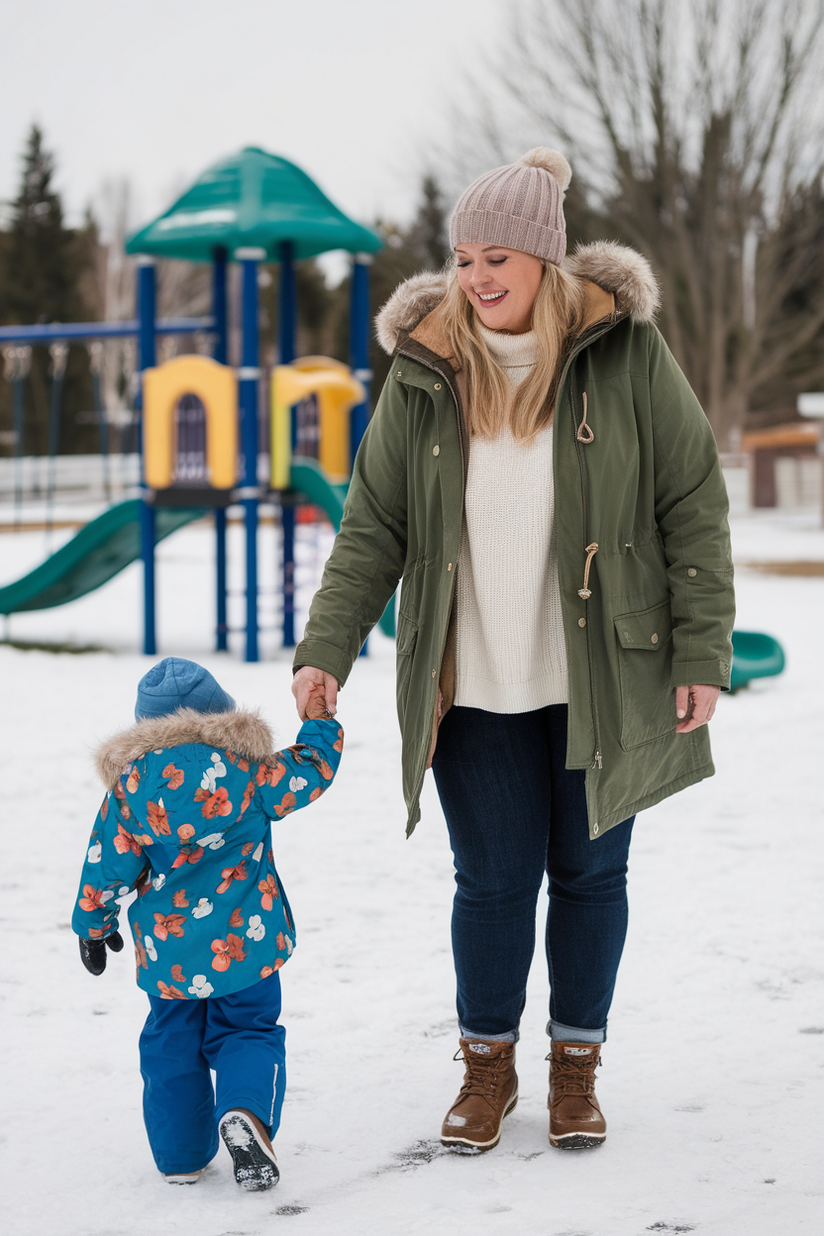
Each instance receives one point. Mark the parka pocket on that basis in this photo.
(645, 667)
(405, 641)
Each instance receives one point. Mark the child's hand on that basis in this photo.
(305, 681)
(93, 952)
(316, 709)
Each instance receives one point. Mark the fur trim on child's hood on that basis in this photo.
(244, 733)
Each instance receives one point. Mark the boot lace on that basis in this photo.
(483, 1074)
(573, 1074)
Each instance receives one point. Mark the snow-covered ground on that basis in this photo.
(713, 1076)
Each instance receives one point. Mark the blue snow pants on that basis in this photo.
(238, 1037)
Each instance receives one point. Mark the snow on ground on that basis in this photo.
(713, 1076)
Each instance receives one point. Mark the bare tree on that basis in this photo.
(183, 290)
(695, 130)
(115, 289)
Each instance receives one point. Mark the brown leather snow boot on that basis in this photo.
(489, 1092)
(575, 1119)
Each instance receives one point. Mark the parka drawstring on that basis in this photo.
(584, 433)
(585, 593)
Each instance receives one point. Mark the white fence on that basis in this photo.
(82, 476)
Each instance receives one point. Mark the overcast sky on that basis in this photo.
(353, 91)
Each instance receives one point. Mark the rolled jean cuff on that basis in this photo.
(573, 1034)
(511, 1036)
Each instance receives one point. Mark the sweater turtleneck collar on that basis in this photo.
(511, 351)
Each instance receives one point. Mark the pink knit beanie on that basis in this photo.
(519, 206)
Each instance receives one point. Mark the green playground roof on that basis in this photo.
(252, 200)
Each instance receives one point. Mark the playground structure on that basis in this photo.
(250, 208)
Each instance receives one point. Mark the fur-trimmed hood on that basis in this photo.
(244, 733)
(615, 268)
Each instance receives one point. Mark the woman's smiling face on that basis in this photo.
(500, 284)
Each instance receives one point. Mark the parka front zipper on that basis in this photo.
(584, 592)
(581, 440)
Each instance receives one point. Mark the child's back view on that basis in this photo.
(192, 789)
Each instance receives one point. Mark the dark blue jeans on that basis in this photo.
(240, 1038)
(513, 812)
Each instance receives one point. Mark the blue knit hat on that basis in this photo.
(175, 683)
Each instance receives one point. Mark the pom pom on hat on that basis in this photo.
(551, 161)
(176, 683)
(519, 206)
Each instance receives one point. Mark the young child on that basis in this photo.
(191, 790)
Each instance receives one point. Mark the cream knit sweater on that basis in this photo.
(511, 655)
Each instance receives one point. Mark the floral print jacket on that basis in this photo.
(186, 821)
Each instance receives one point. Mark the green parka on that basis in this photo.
(636, 473)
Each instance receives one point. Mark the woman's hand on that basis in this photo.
(311, 685)
(694, 707)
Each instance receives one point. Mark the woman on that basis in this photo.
(541, 476)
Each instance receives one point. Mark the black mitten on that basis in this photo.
(93, 952)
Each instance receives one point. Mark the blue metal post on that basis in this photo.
(359, 355)
(359, 345)
(287, 515)
(146, 304)
(146, 298)
(249, 377)
(222, 632)
(220, 352)
(287, 305)
(287, 349)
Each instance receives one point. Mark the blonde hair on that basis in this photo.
(557, 315)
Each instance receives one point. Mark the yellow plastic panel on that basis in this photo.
(334, 448)
(337, 391)
(215, 385)
(307, 364)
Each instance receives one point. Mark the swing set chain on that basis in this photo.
(204, 342)
(59, 353)
(16, 362)
(95, 351)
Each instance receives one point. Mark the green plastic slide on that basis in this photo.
(754, 655)
(99, 550)
(308, 478)
(111, 541)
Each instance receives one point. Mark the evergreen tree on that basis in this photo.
(45, 269)
(428, 236)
